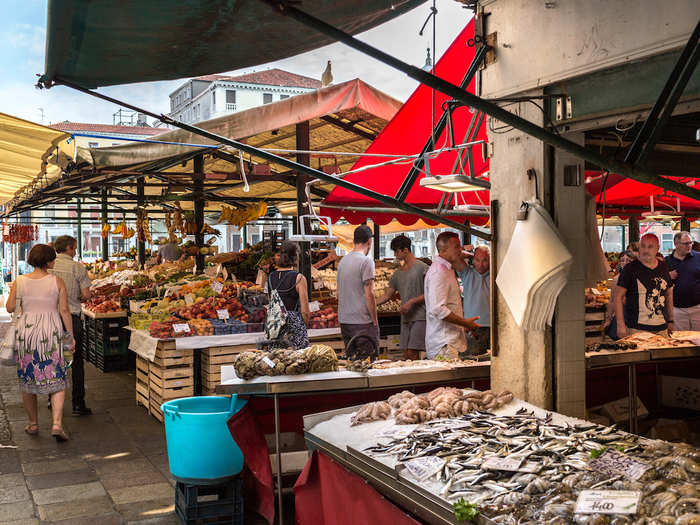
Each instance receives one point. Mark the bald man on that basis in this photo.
(644, 293)
(476, 292)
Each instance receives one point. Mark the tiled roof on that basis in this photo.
(270, 77)
(106, 128)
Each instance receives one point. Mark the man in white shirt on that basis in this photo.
(444, 334)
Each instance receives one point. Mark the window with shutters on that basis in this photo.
(231, 100)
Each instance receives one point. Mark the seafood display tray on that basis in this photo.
(382, 477)
(397, 379)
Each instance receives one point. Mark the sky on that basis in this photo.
(23, 35)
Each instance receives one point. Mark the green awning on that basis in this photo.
(107, 42)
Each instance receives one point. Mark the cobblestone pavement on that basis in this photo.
(114, 470)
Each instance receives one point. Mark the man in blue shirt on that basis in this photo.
(684, 268)
(476, 291)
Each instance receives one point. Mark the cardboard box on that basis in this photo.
(618, 410)
(680, 392)
(670, 430)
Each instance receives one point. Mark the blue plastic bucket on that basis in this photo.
(200, 446)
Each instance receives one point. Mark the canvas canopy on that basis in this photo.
(95, 42)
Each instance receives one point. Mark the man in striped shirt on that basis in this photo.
(77, 282)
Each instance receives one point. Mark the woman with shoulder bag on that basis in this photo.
(292, 289)
(39, 339)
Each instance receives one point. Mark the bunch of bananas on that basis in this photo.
(121, 229)
(105, 230)
(240, 216)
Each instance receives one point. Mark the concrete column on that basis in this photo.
(569, 346)
(523, 363)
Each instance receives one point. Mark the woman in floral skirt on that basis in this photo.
(43, 302)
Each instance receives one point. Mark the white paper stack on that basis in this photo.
(534, 270)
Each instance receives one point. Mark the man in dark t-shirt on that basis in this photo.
(644, 293)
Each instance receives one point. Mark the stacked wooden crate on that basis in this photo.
(212, 360)
(594, 320)
(170, 376)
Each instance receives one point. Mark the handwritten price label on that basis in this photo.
(217, 286)
(189, 299)
(222, 314)
(425, 467)
(269, 362)
(181, 327)
(614, 463)
(608, 501)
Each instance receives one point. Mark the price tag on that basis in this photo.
(608, 501)
(614, 463)
(314, 306)
(595, 291)
(425, 467)
(269, 362)
(181, 327)
(317, 285)
(189, 299)
(222, 314)
(217, 286)
(495, 463)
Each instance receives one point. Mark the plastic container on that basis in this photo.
(200, 447)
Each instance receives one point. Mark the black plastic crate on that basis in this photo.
(109, 327)
(210, 504)
(114, 363)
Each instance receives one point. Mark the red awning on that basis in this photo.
(628, 196)
(406, 134)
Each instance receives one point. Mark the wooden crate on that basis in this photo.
(170, 376)
(142, 382)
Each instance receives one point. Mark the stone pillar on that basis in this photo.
(569, 345)
(523, 363)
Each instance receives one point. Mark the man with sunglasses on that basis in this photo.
(684, 268)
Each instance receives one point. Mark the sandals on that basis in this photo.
(32, 429)
(59, 434)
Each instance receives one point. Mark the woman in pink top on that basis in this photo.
(41, 368)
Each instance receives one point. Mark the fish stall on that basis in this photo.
(453, 456)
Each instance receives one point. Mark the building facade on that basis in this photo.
(211, 96)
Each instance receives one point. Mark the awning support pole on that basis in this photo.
(647, 137)
(295, 166)
(78, 214)
(377, 240)
(491, 109)
(439, 128)
(198, 178)
(140, 244)
(105, 240)
(303, 143)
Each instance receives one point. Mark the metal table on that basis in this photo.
(630, 359)
(382, 478)
(346, 385)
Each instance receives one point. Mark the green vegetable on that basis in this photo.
(620, 448)
(598, 452)
(465, 511)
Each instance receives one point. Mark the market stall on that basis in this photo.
(509, 463)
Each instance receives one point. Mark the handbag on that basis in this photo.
(7, 347)
(276, 318)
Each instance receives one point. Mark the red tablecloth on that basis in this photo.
(328, 494)
(257, 472)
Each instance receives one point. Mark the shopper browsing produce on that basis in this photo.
(408, 282)
(644, 293)
(77, 282)
(292, 289)
(684, 266)
(357, 306)
(476, 291)
(444, 331)
(169, 252)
